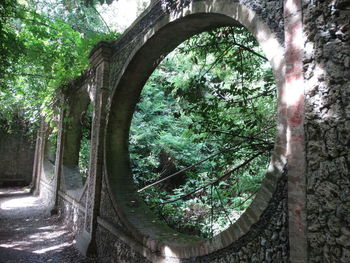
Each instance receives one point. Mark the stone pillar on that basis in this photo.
(39, 157)
(294, 103)
(35, 185)
(58, 160)
(99, 58)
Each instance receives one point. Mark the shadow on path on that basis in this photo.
(28, 233)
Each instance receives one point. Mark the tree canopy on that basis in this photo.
(41, 53)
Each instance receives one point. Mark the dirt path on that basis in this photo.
(29, 234)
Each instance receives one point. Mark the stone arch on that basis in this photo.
(44, 177)
(49, 155)
(169, 31)
(45, 166)
(77, 100)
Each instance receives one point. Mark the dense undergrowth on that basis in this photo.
(212, 96)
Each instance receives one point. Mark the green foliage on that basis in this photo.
(85, 144)
(41, 56)
(214, 92)
(11, 48)
(90, 3)
(83, 19)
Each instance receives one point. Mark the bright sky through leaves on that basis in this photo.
(121, 14)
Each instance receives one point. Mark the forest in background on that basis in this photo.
(202, 133)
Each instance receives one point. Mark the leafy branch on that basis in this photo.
(221, 178)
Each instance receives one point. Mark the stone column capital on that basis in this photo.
(100, 53)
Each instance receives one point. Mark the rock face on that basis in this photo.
(17, 157)
(327, 126)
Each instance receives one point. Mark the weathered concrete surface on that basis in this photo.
(100, 59)
(77, 99)
(17, 158)
(293, 101)
(136, 55)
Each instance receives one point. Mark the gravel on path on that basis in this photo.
(28, 233)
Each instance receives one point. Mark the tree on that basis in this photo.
(41, 55)
(86, 20)
(211, 99)
(11, 47)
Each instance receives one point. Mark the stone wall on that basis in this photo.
(112, 249)
(72, 212)
(315, 80)
(17, 157)
(71, 209)
(327, 125)
(44, 167)
(267, 239)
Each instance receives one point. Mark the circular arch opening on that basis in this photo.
(158, 42)
(77, 126)
(49, 157)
